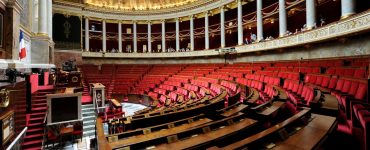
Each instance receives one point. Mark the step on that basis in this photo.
(39, 100)
(33, 148)
(87, 109)
(89, 133)
(39, 105)
(35, 125)
(36, 130)
(88, 106)
(88, 123)
(39, 109)
(32, 142)
(88, 127)
(34, 136)
(38, 114)
(88, 113)
(88, 118)
(40, 119)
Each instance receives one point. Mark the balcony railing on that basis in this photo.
(346, 27)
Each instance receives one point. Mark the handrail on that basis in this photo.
(20, 136)
(45, 129)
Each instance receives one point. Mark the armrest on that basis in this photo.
(348, 107)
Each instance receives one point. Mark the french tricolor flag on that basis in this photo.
(22, 47)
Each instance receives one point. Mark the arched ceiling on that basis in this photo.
(138, 4)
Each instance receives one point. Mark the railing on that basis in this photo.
(45, 130)
(342, 28)
(17, 142)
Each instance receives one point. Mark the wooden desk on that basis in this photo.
(234, 110)
(115, 103)
(271, 109)
(69, 90)
(66, 130)
(266, 132)
(311, 134)
(155, 135)
(102, 141)
(210, 136)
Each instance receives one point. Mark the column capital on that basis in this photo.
(149, 21)
(191, 16)
(134, 21)
(206, 12)
(163, 21)
(222, 7)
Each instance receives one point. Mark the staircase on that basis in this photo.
(89, 119)
(34, 135)
(85, 91)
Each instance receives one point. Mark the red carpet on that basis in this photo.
(86, 100)
(35, 121)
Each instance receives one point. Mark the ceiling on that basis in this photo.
(139, 4)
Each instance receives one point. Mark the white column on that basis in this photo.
(104, 36)
(149, 37)
(87, 36)
(135, 37)
(177, 34)
(120, 37)
(163, 35)
(35, 16)
(222, 24)
(43, 28)
(310, 14)
(259, 21)
(240, 22)
(348, 8)
(282, 18)
(50, 18)
(206, 31)
(192, 33)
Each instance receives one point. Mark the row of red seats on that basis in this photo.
(160, 91)
(347, 90)
(299, 93)
(348, 71)
(360, 124)
(200, 83)
(209, 80)
(182, 91)
(216, 89)
(167, 87)
(191, 87)
(229, 85)
(153, 95)
(173, 83)
(218, 76)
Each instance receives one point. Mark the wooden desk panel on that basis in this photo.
(311, 134)
(102, 141)
(271, 109)
(266, 132)
(159, 134)
(234, 110)
(209, 137)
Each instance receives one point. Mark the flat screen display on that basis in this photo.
(64, 109)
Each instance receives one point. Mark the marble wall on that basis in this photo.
(40, 50)
(61, 56)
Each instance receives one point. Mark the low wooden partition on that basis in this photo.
(304, 113)
(194, 129)
(177, 114)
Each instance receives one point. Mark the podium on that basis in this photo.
(98, 91)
